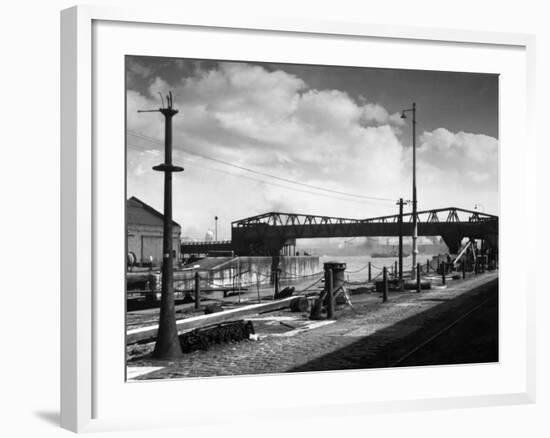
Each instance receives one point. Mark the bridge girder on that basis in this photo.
(268, 239)
(266, 234)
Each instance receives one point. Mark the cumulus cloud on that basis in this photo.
(457, 169)
(273, 122)
(270, 119)
(373, 112)
(473, 156)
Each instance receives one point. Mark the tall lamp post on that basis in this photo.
(216, 228)
(415, 219)
(167, 345)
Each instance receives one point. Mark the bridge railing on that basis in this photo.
(206, 242)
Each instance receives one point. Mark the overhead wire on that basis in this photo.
(260, 181)
(264, 174)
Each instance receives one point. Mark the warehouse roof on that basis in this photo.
(140, 213)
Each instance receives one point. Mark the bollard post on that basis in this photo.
(276, 275)
(463, 270)
(418, 284)
(197, 290)
(330, 298)
(443, 280)
(370, 277)
(385, 285)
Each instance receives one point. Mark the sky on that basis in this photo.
(328, 140)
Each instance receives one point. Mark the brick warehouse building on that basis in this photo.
(144, 227)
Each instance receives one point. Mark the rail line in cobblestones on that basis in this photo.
(439, 334)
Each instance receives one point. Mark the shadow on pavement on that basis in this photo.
(475, 342)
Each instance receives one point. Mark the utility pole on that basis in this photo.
(167, 345)
(414, 206)
(400, 203)
(415, 218)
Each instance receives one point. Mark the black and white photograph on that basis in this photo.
(275, 219)
(289, 218)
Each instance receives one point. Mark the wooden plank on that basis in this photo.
(184, 325)
(182, 291)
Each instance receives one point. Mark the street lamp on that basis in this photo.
(415, 219)
(216, 228)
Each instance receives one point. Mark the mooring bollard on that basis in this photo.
(330, 293)
(385, 284)
(370, 277)
(443, 280)
(197, 290)
(335, 279)
(418, 283)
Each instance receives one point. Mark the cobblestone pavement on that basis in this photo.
(372, 334)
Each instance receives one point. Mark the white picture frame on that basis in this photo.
(84, 364)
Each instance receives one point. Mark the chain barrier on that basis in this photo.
(359, 270)
(294, 277)
(313, 284)
(266, 279)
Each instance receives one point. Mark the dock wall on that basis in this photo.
(243, 272)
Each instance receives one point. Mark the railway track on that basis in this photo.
(418, 354)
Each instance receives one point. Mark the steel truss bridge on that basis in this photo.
(269, 233)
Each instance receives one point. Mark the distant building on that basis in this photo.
(144, 227)
(209, 236)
